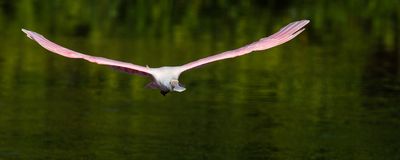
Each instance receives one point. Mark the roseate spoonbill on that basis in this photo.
(166, 78)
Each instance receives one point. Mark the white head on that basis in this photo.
(166, 79)
(173, 85)
(176, 86)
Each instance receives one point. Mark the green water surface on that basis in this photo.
(331, 93)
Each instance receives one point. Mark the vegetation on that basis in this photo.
(173, 19)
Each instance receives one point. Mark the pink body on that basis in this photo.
(166, 78)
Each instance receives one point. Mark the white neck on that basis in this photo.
(164, 75)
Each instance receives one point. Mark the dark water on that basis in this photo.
(331, 93)
(293, 102)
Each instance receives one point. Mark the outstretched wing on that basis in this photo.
(51, 46)
(283, 35)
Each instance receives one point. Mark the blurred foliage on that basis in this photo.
(179, 20)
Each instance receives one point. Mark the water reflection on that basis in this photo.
(244, 108)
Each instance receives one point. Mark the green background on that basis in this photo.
(333, 92)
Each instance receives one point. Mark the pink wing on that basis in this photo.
(123, 66)
(285, 34)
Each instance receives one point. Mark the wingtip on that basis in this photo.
(306, 21)
(27, 32)
(24, 30)
(303, 23)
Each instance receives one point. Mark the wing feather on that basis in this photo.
(53, 47)
(283, 35)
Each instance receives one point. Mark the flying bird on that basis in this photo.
(166, 78)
